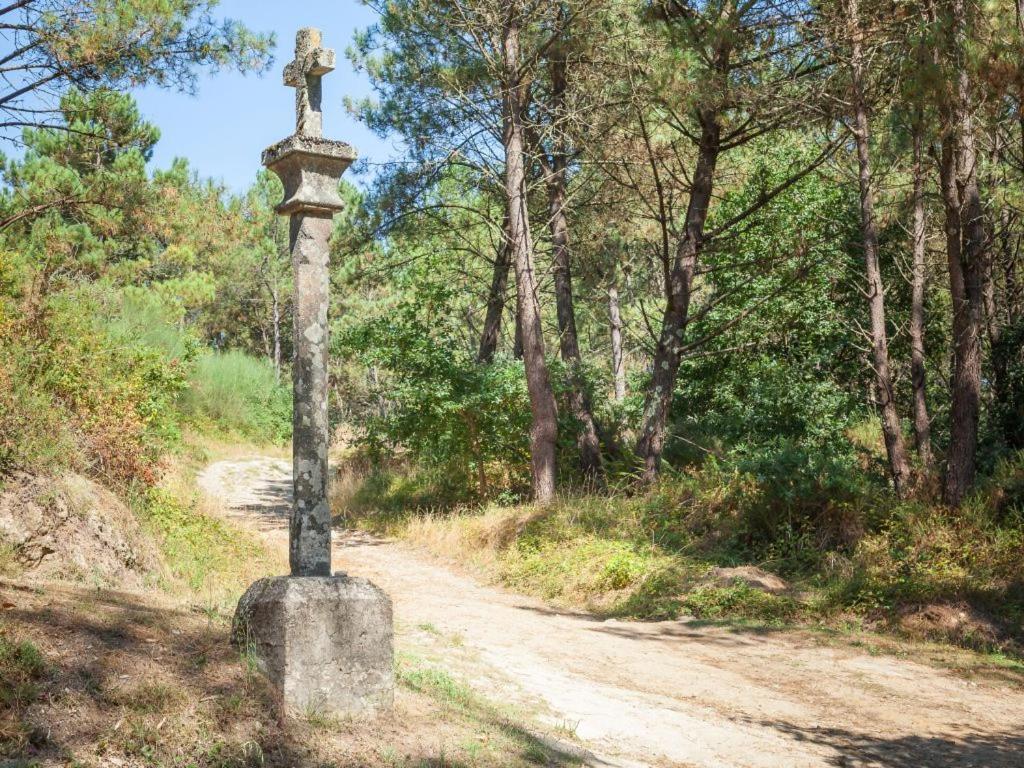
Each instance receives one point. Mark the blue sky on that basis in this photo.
(232, 118)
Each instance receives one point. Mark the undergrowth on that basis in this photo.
(207, 557)
(856, 557)
(22, 668)
(235, 393)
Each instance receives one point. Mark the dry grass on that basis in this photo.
(207, 447)
(117, 680)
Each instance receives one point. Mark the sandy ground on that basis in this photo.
(665, 693)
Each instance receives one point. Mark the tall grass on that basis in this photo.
(237, 393)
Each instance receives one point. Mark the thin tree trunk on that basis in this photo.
(558, 223)
(678, 287)
(544, 428)
(965, 251)
(496, 299)
(1014, 292)
(618, 364)
(892, 433)
(918, 371)
(1007, 256)
(265, 339)
(517, 336)
(276, 315)
(993, 323)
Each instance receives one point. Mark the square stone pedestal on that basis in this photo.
(325, 643)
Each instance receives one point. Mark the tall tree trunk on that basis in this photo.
(918, 371)
(558, 223)
(496, 299)
(618, 363)
(965, 242)
(678, 287)
(895, 450)
(544, 427)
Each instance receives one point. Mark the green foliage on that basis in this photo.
(1008, 362)
(646, 555)
(19, 660)
(920, 554)
(201, 551)
(574, 567)
(107, 283)
(444, 408)
(789, 373)
(120, 44)
(740, 601)
(33, 432)
(108, 397)
(434, 682)
(238, 394)
(74, 201)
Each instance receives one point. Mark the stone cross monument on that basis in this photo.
(310, 167)
(324, 641)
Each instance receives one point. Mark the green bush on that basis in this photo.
(86, 392)
(740, 601)
(467, 420)
(237, 393)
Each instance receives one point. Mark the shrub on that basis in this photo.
(740, 601)
(237, 393)
(467, 420)
(87, 393)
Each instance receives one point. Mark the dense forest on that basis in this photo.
(698, 284)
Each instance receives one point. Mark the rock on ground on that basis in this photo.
(748, 575)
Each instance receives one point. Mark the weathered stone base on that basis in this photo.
(325, 643)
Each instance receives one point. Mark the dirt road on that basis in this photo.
(666, 693)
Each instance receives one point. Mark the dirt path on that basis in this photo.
(666, 693)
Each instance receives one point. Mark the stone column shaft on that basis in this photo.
(310, 539)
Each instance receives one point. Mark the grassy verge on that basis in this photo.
(209, 560)
(238, 395)
(913, 569)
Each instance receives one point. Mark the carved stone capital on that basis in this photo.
(310, 169)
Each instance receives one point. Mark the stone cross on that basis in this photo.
(310, 169)
(323, 640)
(305, 75)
